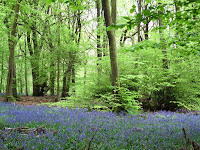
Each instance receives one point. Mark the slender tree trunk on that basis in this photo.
(14, 86)
(21, 86)
(105, 39)
(58, 78)
(85, 76)
(52, 67)
(146, 30)
(78, 28)
(138, 27)
(26, 73)
(105, 44)
(35, 68)
(66, 80)
(123, 38)
(58, 59)
(73, 79)
(78, 34)
(99, 50)
(11, 43)
(2, 74)
(64, 90)
(112, 44)
(52, 78)
(114, 11)
(52, 61)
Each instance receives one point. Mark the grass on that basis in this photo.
(81, 129)
(72, 103)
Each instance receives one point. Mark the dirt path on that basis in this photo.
(32, 100)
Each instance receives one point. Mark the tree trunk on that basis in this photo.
(99, 50)
(58, 59)
(35, 63)
(26, 73)
(11, 43)
(105, 44)
(112, 44)
(2, 74)
(66, 80)
(73, 79)
(114, 11)
(14, 86)
(64, 90)
(78, 27)
(36, 88)
(138, 26)
(123, 38)
(58, 78)
(146, 30)
(52, 78)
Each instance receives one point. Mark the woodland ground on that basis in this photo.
(33, 100)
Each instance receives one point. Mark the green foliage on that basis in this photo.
(187, 86)
(124, 100)
(157, 87)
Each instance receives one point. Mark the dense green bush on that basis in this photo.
(158, 87)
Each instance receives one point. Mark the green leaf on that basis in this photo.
(80, 8)
(67, 2)
(110, 28)
(120, 26)
(61, 1)
(132, 9)
(74, 8)
(146, 13)
(48, 2)
(151, 8)
(127, 18)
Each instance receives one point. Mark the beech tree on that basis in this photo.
(12, 43)
(112, 44)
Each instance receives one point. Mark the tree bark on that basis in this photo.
(114, 11)
(58, 58)
(99, 50)
(26, 73)
(138, 26)
(11, 43)
(14, 86)
(73, 79)
(35, 71)
(146, 30)
(2, 74)
(66, 80)
(52, 78)
(112, 44)
(35, 63)
(105, 44)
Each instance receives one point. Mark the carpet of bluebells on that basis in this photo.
(81, 129)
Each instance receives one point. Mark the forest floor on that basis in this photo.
(32, 100)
